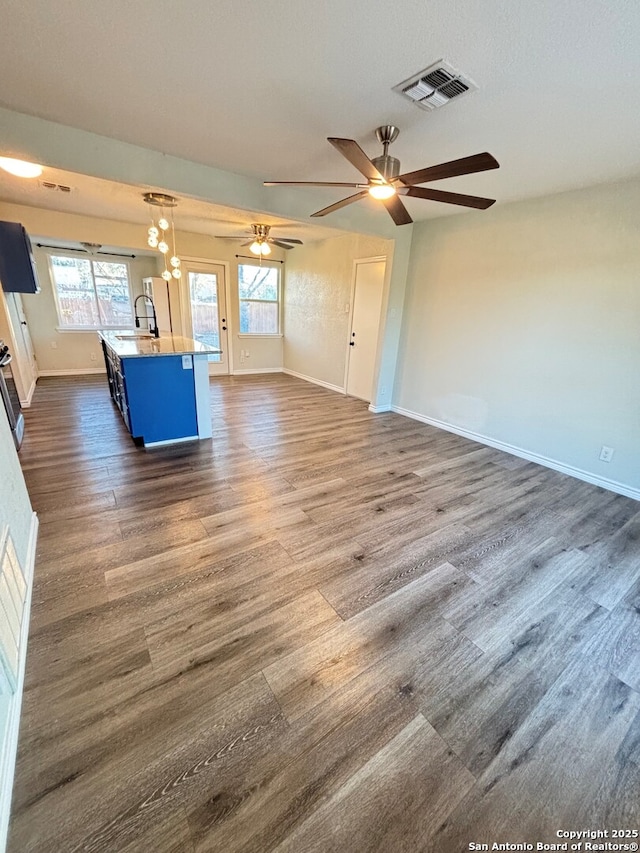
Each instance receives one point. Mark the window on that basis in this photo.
(91, 294)
(259, 291)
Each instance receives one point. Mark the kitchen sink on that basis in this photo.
(135, 336)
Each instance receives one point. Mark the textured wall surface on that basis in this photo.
(521, 324)
(318, 284)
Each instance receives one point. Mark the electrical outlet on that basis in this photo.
(606, 454)
(54, 344)
(93, 356)
(246, 353)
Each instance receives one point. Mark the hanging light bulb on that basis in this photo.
(153, 242)
(256, 248)
(153, 231)
(175, 261)
(265, 249)
(166, 275)
(163, 247)
(163, 223)
(177, 272)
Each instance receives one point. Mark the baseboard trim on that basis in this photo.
(578, 473)
(257, 370)
(27, 403)
(314, 381)
(386, 407)
(74, 371)
(10, 745)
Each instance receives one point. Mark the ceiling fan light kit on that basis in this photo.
(386, 184)
(259, 247)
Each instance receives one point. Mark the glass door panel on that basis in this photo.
(205, 314)
(207, 311)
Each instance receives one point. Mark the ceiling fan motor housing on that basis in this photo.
(389, 167)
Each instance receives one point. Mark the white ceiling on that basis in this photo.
(256, 88)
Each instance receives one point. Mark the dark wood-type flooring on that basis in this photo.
(324, 630)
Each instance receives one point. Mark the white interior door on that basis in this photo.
(14, 331)
(27, 343)
(206, 311)
(365, 324)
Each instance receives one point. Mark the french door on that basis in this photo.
(206, 311)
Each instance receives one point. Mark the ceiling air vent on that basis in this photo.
(61, 188)
(435, 86)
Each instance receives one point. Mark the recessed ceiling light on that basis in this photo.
(20, 168)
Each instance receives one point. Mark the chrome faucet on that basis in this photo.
(153, 329)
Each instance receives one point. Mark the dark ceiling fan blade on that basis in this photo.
(343, 203)
(290, 240)
(450, 198)
(397, 211)
(350, 149)
(227, 237)
(282, 245)
(248, 243)
(463, 166)
(310, 184)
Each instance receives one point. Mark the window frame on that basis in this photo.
(275, 266)
(66, 327)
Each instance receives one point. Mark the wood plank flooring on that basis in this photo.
(324, 630)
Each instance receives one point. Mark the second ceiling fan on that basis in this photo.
(384, 181)
(260, 242)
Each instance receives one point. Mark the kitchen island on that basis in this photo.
(160, 385)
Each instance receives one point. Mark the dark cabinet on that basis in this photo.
(17, 267)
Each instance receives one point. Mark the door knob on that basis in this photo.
(224, 328)
(23, 322)
(352, 343)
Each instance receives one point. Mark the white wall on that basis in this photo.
(16, 515)
(74, 348)
(318, 281)
(15, 506)
(522, 324)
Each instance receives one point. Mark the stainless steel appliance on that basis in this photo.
(9, 395)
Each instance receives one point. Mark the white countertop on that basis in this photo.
(130, 344)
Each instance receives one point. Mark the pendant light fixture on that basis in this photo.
(158, 235)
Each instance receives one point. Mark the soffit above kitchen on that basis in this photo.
(255, 89)
(68, 192)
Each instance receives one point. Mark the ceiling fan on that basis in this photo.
(259, 243)
(384, 181)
